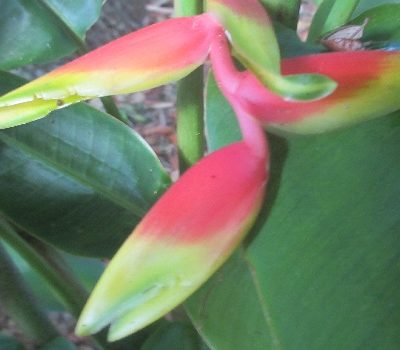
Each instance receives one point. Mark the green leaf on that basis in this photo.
(218, 133)
(227, 310)
(38, 285)
(320, 269)
(79, 180)
(365, 5)
(43, 30)
(285, 11)
(382, 30)
(291, 45)
(173, 336)
(383, 22)
(87, 270)
(330, 15)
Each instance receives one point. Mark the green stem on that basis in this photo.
(108, 102)
(190, 100)
(188, 7)
(18, 302)
(190, 124)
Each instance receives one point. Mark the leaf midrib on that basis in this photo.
(263, 303)
(136, 210)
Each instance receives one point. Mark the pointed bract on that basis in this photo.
(182, 240)
(149, 57)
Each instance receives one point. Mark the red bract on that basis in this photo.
(147, 58)
(367, 88)
(183, 239)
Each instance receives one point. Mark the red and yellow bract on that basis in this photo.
(182, 240)
(153, 56)
(367, 88)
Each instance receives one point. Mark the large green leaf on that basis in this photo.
(79, 179)
(320, 269)
(43, 30)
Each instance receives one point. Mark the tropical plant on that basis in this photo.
(319, 266)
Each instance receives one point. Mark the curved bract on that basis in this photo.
(182, 240)
(368, 87)
(149, 57)
(253, 39)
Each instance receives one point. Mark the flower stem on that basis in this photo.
(18, 302)
(190, 111)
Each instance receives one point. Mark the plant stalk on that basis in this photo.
(190, 101)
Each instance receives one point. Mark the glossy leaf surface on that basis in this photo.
(41, 31)
(321, 268)
(79, 180)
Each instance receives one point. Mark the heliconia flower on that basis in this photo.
(368, 87)
(149, 57)
(254, 43)
(183, 239)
